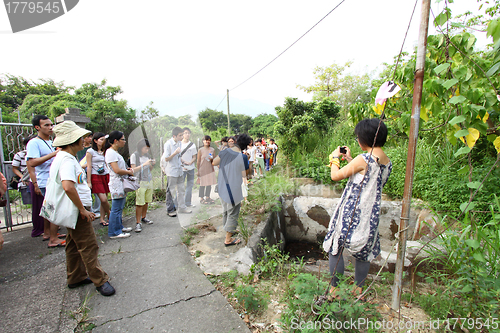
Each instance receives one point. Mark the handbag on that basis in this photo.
(130, 184)
(57, 206)
(14, 182)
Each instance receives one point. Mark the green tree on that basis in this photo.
(148, 113)
(99, 102)
(296, 119)
(263, 125)
(212, 120)
(333, 83)
(14, 89)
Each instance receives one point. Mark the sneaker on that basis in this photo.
(185, 211)
(191, 206)
(138, 227)
(97, 215)
(122, 235)
(106, 289)
(172, 213)
(147, 221)
(127, 229)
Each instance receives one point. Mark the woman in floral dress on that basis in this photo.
(354, 223)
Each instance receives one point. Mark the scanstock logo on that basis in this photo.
(28, 14)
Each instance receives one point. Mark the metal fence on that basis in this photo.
(11, 141)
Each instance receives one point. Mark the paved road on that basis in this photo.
(159, 288)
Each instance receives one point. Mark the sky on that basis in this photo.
(184, 55)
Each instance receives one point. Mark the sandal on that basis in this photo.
(58, 236)
(233, 242)
(62, 244)
(210, 201)
(104, 224)
(203, 201)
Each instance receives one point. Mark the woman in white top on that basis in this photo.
(99, 174)
(117, 168)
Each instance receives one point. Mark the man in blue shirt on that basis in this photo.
(39, 156)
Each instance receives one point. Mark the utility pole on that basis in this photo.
(228, 122)
(412, 150)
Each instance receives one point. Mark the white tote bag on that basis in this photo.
(57, 206)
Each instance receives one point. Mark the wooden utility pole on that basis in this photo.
(412, 150)
(228, 122)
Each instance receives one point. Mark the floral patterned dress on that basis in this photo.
(362, 241)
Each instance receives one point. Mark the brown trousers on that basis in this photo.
(81, 254)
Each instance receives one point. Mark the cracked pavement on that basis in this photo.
(159, 288)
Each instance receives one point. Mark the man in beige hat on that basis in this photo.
(82, 264)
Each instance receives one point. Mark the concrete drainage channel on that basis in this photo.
(303, 222)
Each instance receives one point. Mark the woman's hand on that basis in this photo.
(130, 171)
(89, 184)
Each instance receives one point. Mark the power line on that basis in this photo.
(220, 101)
(289, 46)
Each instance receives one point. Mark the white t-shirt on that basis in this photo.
(188, 155)
(115, 181)
(71, 170)
(97, 162)
(273, 147)
(251, 151)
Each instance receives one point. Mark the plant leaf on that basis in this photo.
(479, 257)
(474, 243)
(463, 170)
(449, 83)
(441, 68)
(464, 205)
(474, 185)
(461, 133)
(496, 143)
(461, 151)
(493, 70)
(466, 289)
(456, 120)
(457, 99)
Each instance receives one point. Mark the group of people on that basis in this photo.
(178, 160)
(353, 225)
(261, 154)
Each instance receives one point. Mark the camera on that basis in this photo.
(100, 170)
(343, 150)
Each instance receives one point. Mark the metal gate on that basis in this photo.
(11, 142)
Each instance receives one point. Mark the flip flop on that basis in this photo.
(234, 242)
(62, 244)
(58, 236)
(104, 224)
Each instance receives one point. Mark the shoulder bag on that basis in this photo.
(57, 206)
(130, 184)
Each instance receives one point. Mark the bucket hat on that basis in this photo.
(68, 132)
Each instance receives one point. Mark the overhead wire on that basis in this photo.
(279, 55)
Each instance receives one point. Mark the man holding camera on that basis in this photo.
(173, 170)
(188, 158)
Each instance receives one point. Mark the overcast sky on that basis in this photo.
(183, 55)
